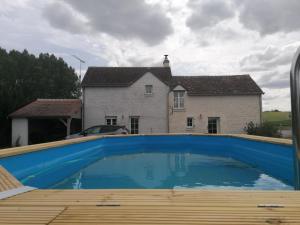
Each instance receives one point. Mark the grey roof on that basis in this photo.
(217, 85)
(122, 76)
(195, 85)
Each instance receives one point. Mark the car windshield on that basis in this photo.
(106, 129)
(93, 130)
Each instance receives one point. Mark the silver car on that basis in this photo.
(100, 130)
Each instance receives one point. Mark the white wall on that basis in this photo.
(234, 112)
(19, 130)
(124, 102)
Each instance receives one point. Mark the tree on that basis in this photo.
(25, 77)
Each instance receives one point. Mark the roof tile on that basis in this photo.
(49, 108)
(217, 85)
(122, 76)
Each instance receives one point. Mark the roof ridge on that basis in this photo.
(229, 75)
(129, 67)
(57, 99)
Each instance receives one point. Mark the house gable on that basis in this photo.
(149, 79)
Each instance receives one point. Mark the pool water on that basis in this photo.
(170, 170)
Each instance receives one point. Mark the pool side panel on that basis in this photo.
(39, 147)
(274, 159)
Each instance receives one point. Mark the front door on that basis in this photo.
(213, 125)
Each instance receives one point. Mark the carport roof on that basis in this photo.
(50, 108)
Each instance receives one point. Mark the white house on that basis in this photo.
(213, 104)
(136, 97)
(147, 100)
(151, 100)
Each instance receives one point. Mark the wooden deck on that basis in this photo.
(151, 207)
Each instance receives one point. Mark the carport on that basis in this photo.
(55, 115)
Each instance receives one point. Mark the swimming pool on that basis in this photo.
(166, 161)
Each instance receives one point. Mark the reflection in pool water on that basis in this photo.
(170, 170)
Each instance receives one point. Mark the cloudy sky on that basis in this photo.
(202, 37)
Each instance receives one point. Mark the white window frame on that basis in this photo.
(187, 122)
(147, 88)
(109, 120)
(179, 99)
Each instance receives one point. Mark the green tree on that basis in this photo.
(25, 77)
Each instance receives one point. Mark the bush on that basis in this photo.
(265, 129)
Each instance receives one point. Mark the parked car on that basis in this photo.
(100, 130)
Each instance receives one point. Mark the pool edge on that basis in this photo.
(38, 147)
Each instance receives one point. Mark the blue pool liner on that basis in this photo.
(45, 168)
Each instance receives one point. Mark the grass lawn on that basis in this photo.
(278, 118)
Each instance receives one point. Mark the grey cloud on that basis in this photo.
(144, 61)
(277, 84)
(270, 97)
(61, 16)
(269, 58)
(269, 16)
(121, 19)
(208, 13)
(275, 80)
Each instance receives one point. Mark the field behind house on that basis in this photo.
(282, 119)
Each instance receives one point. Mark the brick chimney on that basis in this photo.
(166, 62)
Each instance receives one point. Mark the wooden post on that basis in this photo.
(67, 124)
(69, 120)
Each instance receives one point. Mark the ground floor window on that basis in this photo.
(213, 125)
(189, 122)
(134, 125)
(111, 120)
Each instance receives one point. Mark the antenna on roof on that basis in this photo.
(80, 61)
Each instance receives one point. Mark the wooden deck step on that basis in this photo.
(8, 181)
(203, 207)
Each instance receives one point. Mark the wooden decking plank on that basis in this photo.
(7, 181)
(28, 215)
(164, 215)
(115, 197)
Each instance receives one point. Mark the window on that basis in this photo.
(190, 122)
(134, 125)
(213, 125)
(111, 120)
(148, 89)
(178, 99)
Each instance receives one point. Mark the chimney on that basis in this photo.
(166, 62)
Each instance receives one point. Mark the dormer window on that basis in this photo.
(148, 89)
(178, 99)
